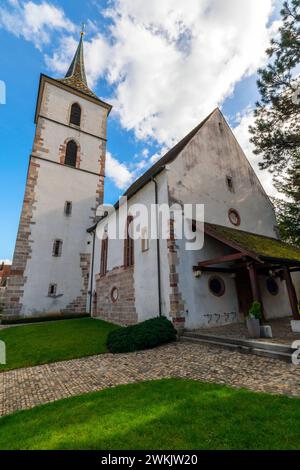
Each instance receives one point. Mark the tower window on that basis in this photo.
(68, 208)
(57, 248)
(71, 153)
(52, 290)
(128, 245)
(144, 240)
(229, 182)
(75, 116)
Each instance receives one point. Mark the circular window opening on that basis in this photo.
(272, 286)
(216, 286)
(234, 217)
(114, 294)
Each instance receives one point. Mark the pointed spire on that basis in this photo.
(77, 68)
(76, 76)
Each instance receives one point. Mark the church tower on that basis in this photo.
(65, 183)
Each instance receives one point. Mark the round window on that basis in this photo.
(234, 217)
(114, 295)
(272, 286)
(216, 286)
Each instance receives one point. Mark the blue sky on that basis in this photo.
(163, 66)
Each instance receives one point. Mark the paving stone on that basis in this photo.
(28, 387)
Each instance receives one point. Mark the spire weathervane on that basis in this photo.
(82, 29)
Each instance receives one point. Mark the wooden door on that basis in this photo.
(244, 291)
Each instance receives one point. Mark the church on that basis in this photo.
(60, 266)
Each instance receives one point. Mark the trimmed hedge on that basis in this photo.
(145, 335)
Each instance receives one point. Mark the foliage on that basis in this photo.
(166, 414)
(30, 345)
(276, 132)
(255, 310)
(145, 335)
(288, 219)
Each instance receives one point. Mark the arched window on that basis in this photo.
(128, 245)
(75, 116)
(104, 251)
(71, 153)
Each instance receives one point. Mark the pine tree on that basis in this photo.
(276, 131)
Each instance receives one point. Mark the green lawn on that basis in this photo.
(46, 342)
(165, 414)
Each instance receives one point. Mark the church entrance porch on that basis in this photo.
(264, 270)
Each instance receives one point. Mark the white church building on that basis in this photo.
(61, 267)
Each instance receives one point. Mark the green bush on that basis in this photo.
(145, 335)
(255, 310)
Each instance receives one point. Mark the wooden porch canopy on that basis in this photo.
(258, 253)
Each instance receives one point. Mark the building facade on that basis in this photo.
(65, 184)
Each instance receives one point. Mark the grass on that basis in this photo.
(167, 414)
(42, 343)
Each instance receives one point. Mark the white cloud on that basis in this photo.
(33, 21)
(5, 261)
(241, 131)
(172, 62)
(118, 172)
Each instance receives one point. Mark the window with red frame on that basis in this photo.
(104, 251)
(128, 245)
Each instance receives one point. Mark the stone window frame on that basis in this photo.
(70, 114)
(104, 254)
(57, 248)
(52, 290)
(223, 286)
(128, 244)
(112, 297)
(68, 156)
(233, 212)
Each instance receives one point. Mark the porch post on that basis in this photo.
(291, 292)
(255, 286)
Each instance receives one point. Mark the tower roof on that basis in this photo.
(76, 76)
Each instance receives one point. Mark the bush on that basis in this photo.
(145, 335)
(255, 310)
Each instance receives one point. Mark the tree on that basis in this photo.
(276, 131)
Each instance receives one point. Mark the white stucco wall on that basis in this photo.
(145, 267)
(198, 175)
(57, 184)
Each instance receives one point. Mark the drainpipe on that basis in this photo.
(92, 273)
(157, 247)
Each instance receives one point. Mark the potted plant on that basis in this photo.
(295, 324)
(253, 319)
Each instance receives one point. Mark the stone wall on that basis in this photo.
(121, 308)
(23, 248)
(78, 305)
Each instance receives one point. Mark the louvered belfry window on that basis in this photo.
(75, 116)
(71, 153)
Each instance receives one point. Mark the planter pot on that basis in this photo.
(295, 325)
(253, 326)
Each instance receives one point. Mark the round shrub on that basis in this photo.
(145, 335)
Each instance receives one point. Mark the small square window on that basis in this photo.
(68, 208)
(52, 290)
(229, 182)
(57, 248)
